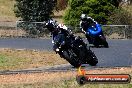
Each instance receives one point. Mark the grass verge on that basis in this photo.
(6, 10)
(60, 79)
(12, 59)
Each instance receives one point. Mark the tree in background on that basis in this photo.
(115, 2)
(34, 10)
(100, 10)
(123, 16)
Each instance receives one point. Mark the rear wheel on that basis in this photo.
(71, 58)
(92, 59)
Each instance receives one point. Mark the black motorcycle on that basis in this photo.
(96, 37)
(74, 50)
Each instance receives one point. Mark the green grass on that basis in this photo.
(12, 59)
(3, 59)
(11, 62)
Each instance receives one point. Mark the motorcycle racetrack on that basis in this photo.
(119, 53)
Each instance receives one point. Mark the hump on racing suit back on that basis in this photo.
(62, 26)
(94, 30)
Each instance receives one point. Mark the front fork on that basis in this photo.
(102, 37)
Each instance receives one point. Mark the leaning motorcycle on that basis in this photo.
(95, 36)
(74, 50)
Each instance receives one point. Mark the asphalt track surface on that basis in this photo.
(119, 53)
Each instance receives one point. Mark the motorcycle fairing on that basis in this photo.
(94, 30)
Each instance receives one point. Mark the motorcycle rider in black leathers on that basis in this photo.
(56, 29)
(85, 23)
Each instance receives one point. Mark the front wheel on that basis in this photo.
(104, 42)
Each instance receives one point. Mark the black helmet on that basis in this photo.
(51, 25)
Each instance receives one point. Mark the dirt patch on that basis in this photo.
(48, 77)
(37, 77)
(116, 70)
(115, 36)
(12, 33)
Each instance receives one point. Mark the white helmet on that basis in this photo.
(83, 16)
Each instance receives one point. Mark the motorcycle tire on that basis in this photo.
(72, 60)
(96, 44)
(92, 59)
(105, 43)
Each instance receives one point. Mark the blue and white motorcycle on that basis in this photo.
(95, 36)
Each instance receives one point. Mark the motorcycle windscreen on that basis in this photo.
(59, 38)
(94, 31)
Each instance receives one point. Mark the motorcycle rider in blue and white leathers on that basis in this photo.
(56, 29)
(85, 23)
